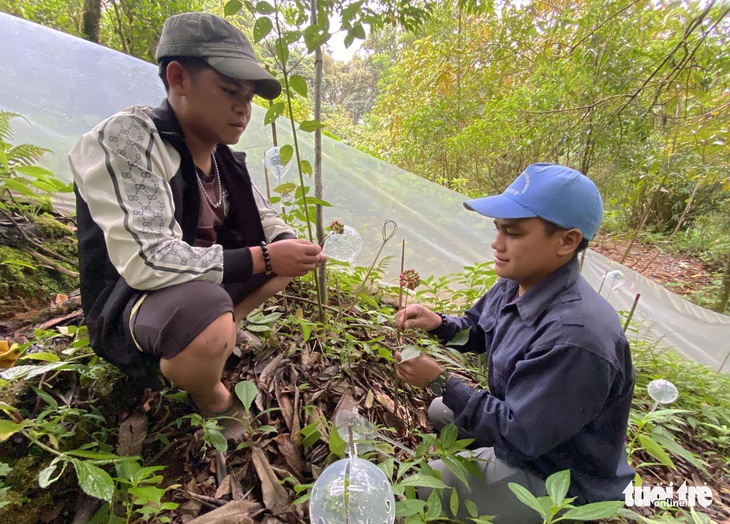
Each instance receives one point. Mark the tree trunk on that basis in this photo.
(319, 219)
(686, 210)
(724, 295)
(92, 20)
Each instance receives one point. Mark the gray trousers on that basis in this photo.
(490, 493)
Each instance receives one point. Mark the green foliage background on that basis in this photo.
(466, 93)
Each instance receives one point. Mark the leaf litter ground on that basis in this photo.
(302, 384)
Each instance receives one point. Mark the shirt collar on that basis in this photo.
(533, 303)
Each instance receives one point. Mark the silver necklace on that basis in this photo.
(216, 205)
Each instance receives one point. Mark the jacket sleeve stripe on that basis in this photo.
(148, 220)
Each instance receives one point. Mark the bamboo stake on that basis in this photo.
(631, 312)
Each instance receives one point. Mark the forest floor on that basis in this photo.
(681, 274)
(305, 381)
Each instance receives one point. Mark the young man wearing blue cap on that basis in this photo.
(560, 375)
(176, 244)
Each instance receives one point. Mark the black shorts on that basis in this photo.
(165, 321)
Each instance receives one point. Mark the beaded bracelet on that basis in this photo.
(439, 330)
(267, 258)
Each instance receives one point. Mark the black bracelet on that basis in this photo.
(439, 330)
(267, 258)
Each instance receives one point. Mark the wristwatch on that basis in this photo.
(438, 385)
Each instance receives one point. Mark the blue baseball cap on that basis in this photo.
(555, 193)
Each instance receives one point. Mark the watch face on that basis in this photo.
(438, 385)
(436, 388)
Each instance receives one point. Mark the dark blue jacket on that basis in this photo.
(560, 382)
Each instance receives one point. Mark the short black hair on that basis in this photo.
(551, 229)
(192, 64)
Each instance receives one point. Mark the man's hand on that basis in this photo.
(419, 371)
(417, 316)
(295, 257)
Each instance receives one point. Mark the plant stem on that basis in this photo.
(322, 317)
(386, 236)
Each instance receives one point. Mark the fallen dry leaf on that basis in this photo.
(132, 433)
(274, 495)
(8, 354)
(236, 512)
(292, 452)
(385, 401)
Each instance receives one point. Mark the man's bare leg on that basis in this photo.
(198, 368)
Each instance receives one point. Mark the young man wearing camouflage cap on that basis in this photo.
(560, 375)
(176, 244)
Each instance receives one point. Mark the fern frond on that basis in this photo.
(25, 154)
(6, 132)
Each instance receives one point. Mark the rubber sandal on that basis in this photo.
(246, 338)
(230, 419)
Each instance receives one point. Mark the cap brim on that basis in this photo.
(243, 69)
(498, 206)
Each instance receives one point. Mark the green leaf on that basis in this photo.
(26, 372)
(97, 455)
(699, 518)
(232, 7)
(653, 448)
(471, 508)
(274, 111)
(34, 171)
(527, 498)
(461, 338)
(262, 28)
(337, 444)
(8, 428)
(308, 126)
(94, 480)
(409, 352)
(19, 186)
(47, 398)
(357, 31)
(46, 478)
(282, 51)
(557, 486)
(43, 356)
(298, 84)
(449, 435)
(246, 392)
(286, 188)
(314, 36)
(311, 439)
(265, 8)
(286, 153)
(317, 201)
(409, 507)
(434, 505)
(454, 502)
(421, 480)
(17, 263)
(595, 511)
(457, 468)
(306, 168)
(217, 440)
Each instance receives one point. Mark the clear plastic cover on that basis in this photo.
(64, 86)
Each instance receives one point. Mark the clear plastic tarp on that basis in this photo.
(64, 86)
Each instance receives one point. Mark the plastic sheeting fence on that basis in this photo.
(64, 86)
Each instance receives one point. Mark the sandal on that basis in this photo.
(231, 419)
(246, 338)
